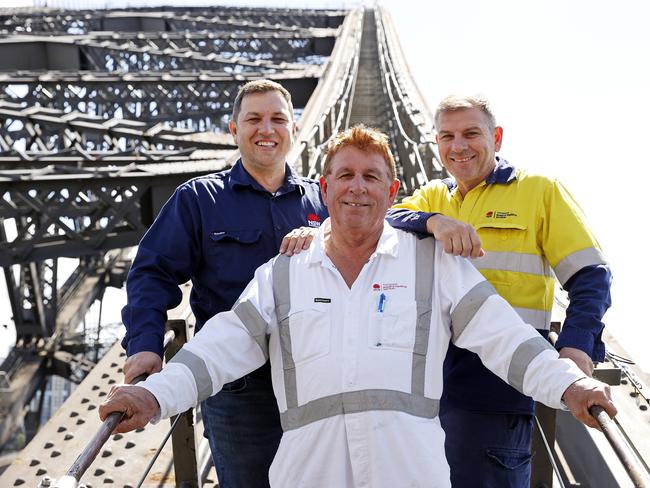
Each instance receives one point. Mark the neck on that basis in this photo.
(270, 178)
(350, 250)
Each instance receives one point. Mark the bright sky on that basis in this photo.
(568, 81)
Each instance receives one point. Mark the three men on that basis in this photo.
(357, 329)
(216, 230)
(531, 229)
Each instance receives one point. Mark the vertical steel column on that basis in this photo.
(184, 438)
(542, 469)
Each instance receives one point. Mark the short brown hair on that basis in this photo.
(259, 86)
(452, 103)
(363, 138)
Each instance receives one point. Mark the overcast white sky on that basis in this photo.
(569, 83)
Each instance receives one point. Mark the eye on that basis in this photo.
(280, 120)
(253, 119)
(445, 137)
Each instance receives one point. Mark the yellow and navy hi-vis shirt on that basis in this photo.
(532, 230)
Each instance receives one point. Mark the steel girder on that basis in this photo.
(199, 101)
(164, 18)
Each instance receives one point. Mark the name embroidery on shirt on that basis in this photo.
(322, 300)
(493, 214)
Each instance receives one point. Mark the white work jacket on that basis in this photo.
(357, 372)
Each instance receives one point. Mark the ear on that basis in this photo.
(392, 192)
(232, 127)
(323, 189)
(498, 138)
(294, 128)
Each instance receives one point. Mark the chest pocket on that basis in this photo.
(394, 328)
(224, 237)
(505, 243)
(310, 330)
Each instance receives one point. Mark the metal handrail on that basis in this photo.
(93, 447)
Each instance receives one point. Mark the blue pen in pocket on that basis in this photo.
(382, 303)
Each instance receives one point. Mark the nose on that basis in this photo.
(458, 144)
(266, 126)
(358, 185)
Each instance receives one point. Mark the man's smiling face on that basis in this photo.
(467, 146)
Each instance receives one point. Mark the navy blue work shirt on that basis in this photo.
(215, 230)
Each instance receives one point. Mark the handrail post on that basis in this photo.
(183, 438)
(541, 467)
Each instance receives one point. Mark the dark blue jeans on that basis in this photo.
(487, 450)
(242, 425)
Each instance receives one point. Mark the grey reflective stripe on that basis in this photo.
(513, 261)
(282, 296)
(574, 262)
(424, 259)
(199, 370)
(522, 357)
(468, 306)
(540, 319)
(254, 323)
(359, 401)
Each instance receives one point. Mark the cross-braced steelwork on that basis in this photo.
(104, 113)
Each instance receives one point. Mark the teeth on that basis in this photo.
(356, 204)
(265, 143)
(462, 160)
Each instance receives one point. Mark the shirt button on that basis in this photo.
(277, 227)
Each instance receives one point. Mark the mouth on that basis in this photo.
(462, 160)
(266, 144)
(355, 204)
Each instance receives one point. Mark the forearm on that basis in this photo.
(589, 299)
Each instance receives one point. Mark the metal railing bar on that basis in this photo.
(632, 466)
(90, 452)
(549, 452)
(158, 451)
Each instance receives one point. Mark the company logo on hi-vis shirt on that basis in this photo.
(387, 286)
(493, 214)
(313, 220)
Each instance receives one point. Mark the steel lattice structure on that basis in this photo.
(104, 113)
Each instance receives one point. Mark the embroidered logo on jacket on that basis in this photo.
(387, 286)
(493, 214)
(313, 220)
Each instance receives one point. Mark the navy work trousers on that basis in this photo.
(487, 450)
(242, 425)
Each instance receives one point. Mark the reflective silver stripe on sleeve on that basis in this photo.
(513, 261)
(468, 306)
(358, 401)
(199, 371)
(424, 264)
(574, 262)
(540, 319)
(254, 323)
(282, 296)
(522, 357)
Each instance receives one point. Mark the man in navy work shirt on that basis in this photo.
(216, 230)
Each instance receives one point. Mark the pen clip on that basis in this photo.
(382, 303)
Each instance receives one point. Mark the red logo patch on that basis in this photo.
(313, 220)
(376, 287)
(489, 215)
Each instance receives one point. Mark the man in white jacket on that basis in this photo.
(357, 329)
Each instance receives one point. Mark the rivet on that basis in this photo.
(34, 462)
(99, 472)
(48, 444)
(106, 453)
(119, 462)
(67, 437)
(55, 453)
(46, 481)
(129, 445)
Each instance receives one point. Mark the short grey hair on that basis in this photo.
(453, 103)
